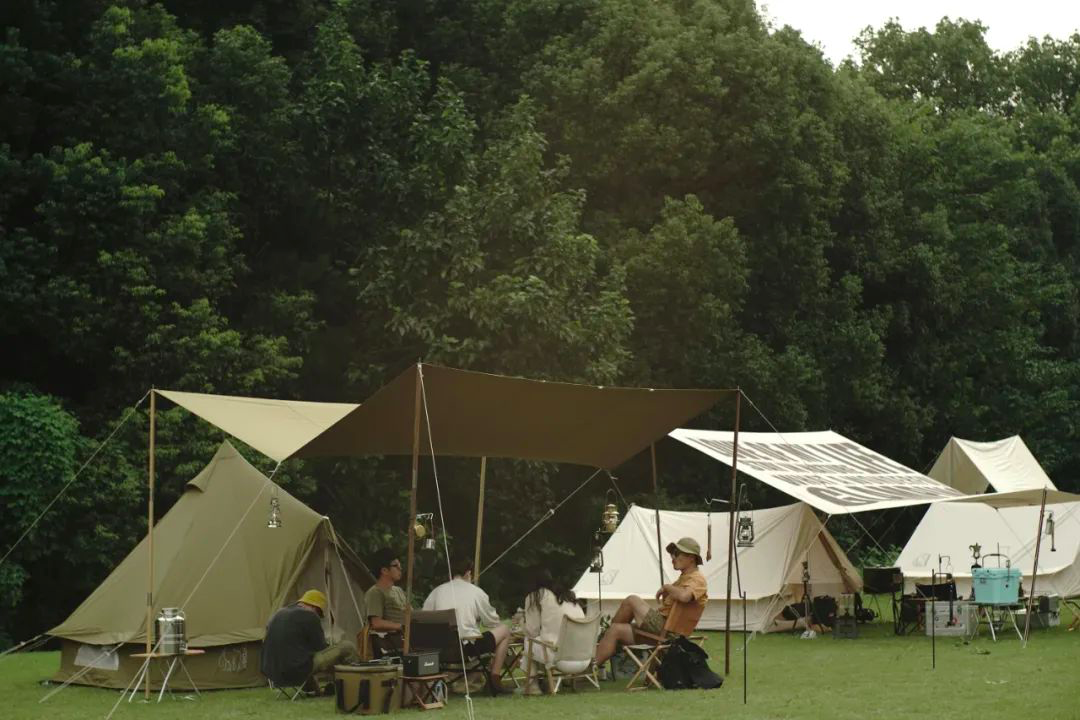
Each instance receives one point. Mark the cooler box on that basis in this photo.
(372, 689)
(996, 586)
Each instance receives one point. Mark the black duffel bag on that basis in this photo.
(684, 667)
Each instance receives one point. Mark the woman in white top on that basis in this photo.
(545, 608)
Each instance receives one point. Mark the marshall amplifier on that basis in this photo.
(420, 664)
(882, 580)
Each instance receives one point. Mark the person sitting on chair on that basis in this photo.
(474, 612)
(689, 587)
(386, 603)
(545, 607)
(294, 647)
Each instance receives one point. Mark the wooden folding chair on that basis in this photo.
(681, 621)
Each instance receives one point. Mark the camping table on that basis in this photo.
(173, 660)
(996, 614)
(422, 690)
(514, 652)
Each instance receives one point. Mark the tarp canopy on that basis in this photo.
(949, 529)
(823, 469)
(215, 558)
(1005, 465)
(1019, 498)
(472, 415)
(276, 428)
(771, 570)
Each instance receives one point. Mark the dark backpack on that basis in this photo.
(684, 667)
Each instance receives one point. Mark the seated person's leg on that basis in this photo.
(501, 635)
(337, 654)
(617, 633)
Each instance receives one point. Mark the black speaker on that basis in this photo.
(882, 580)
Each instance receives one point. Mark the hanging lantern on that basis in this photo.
(424, 531)
(609, 521)
(597, 563)
(273, 520)
(1050, 530)
(744, 532)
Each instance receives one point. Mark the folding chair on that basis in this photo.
(291, 692)
(681, 621)
(563, 660)
(437, 630)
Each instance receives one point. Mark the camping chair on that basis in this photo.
(682, 620)
(576, 645)
(437, 630)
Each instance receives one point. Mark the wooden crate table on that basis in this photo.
(422, 690)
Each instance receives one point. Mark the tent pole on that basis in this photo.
(731, 533)
(479, 519)
(1034, 568)
(412, 509)
(656, 512)
(150, 537)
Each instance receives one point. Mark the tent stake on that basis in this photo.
(731, 533)
(479, 519)
(1034, 568)
(150, 538)
(412, 511)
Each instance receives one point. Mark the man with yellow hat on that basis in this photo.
(690, 587)
(294, 647)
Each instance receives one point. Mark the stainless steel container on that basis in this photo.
(171, 632)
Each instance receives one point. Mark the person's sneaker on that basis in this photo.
(495, 686)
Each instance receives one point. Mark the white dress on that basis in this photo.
(544, 622)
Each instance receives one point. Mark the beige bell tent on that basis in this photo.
(771, 570)
(1004, 465)
(216, 559)
(948, 529)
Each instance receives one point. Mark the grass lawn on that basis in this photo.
(878, 675)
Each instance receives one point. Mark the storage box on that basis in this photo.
(996, 586)
(950, 623)
(845, 628)
(372, 689)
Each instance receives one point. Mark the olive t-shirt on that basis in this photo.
(693, 581)
(388, 603)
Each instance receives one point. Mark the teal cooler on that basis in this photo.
(996, 586)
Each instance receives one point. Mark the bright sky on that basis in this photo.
(833, 24)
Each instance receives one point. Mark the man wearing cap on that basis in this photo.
(294, 647)
(690, 587)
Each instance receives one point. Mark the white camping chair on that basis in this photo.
(569, 658)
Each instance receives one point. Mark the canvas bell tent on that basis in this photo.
(215, 558)
(1005, 465)
(948, 530)
(771, 570)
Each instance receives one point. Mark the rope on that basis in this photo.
(469, 711)
(144, 668)
(72, 679)
(75, 477)
(269, 481)
(550, 513)
(29, 645)
(617, 490)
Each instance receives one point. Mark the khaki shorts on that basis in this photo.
(653, 622)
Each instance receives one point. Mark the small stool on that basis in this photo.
(422, 690)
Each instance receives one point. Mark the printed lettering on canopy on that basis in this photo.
(823, 469)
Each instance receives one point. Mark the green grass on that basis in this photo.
(878, 675)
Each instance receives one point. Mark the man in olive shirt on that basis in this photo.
(294, 646)
(690, 587)
(386, 602)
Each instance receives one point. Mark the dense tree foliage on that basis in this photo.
(297, 198)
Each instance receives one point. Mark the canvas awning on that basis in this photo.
(1004, 464)
(1020, 498)
(276, 428)
(472, 414)
(823, 469)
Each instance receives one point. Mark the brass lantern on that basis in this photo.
(597, 563)
(423, 530)
(273, 520)
(744, 532)
(609, 521)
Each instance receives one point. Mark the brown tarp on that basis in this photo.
(481, 415)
